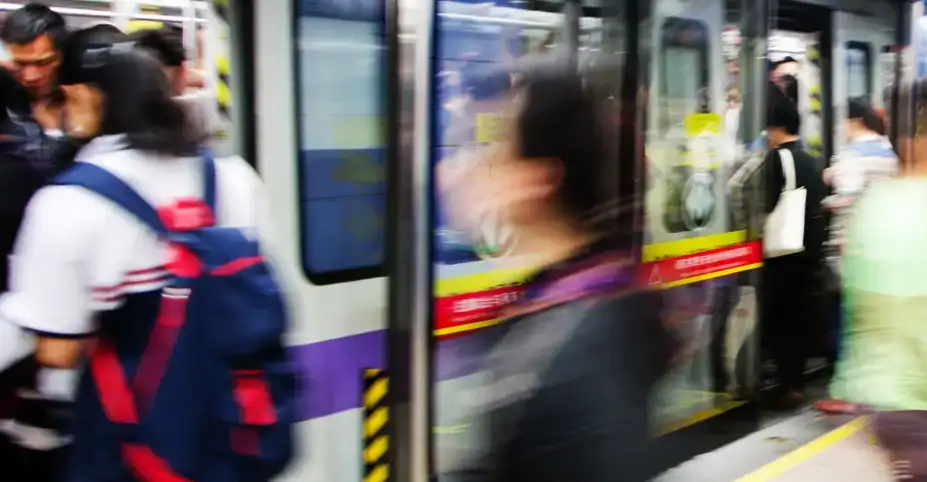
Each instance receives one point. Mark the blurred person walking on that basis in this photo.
(582, 350)
(884, 268)
(869, 157)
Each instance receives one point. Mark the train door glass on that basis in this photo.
(859, 69)
(696, 246)
(474, 269)
(683, 74)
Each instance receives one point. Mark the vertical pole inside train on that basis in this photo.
(572, 10)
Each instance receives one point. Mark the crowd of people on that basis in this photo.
(104, 154)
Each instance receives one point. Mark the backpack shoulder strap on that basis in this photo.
(96, 179)
(209, 178)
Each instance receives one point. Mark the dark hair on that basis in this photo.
(78, 42)
(790, 88)
(165, 43)
(782, 112)
(138, 101)
(559, 119)
(30, 22)
(861, 109)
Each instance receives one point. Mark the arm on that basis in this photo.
(195, 79)
(49, 296)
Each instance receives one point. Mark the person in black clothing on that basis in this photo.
(790, 282)
(33, 149)
(571, 377)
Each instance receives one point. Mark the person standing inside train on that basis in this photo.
(573, 375)
(790, 283)
(200, 104)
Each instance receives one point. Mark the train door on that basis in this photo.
(703, 62)
(678, 76)
(802, 33)
(474, 268)
(859, 39)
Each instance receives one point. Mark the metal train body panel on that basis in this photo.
(338, 329)
(855, 35)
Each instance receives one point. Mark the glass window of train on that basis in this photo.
(683, 71)
(859, 69)
(340, 70)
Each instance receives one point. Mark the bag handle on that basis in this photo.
(788, 169)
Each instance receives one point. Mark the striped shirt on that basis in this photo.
(864, 161)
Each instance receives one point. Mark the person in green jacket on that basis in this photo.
(883, 364)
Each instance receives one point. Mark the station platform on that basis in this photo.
(806, 447)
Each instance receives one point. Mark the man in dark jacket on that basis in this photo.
(790, 281)
(33, 148)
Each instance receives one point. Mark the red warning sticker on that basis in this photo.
(463, 309)
(460, 313)
(701, 266)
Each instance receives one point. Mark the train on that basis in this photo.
(345, 107)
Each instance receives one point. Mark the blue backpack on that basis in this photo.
(205, 391)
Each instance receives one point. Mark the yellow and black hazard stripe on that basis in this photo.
(223, 69)
(376, 416)
(816, 102)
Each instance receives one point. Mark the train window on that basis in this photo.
(683, 71)
(339, 77)
(684, 86)
(859, 69)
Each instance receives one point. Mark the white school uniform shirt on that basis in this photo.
(78, 254)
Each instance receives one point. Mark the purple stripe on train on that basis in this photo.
(331, 370)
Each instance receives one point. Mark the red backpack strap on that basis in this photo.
(119, 400)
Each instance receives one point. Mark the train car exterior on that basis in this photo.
(326, 84)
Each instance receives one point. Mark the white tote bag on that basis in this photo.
(784, 232)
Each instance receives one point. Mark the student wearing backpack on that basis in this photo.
(154, 250)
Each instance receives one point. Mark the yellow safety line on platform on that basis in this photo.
(804, 453)
(700, 416)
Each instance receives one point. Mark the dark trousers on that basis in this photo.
(791, 313)
(18, 464)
